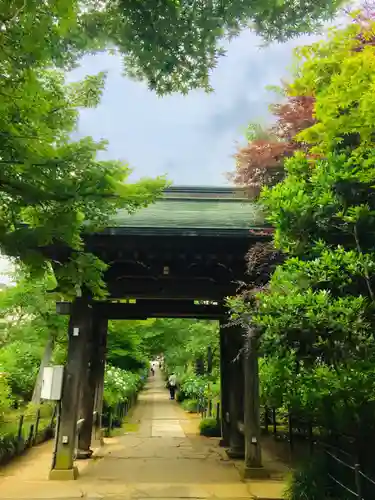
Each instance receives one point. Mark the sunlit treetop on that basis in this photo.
(339, 73)
(328, 193)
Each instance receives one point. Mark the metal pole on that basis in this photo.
(19, 434)
(37, 420)
(31, 436)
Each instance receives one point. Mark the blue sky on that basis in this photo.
(190, 138)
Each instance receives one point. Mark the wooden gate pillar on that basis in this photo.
(236, 397)
(99, 390)
(253, 456)
(80, 325)
(94, 377)
(224, 384)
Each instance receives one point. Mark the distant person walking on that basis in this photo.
(172, 383)
(152, 367)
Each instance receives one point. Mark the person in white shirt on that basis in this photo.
(172, 382)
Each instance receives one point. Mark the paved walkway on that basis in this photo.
(162, 458)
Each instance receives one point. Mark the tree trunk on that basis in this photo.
(47, 356)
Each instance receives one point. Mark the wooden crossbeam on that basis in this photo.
(143, 309)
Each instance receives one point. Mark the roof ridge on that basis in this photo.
(198, 199)
(194, 212)
(202, 192)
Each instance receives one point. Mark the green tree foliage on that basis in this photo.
(28, 311)
(126, 344)
(20, 363)
(328, 125)
(31, 305)
(186, 342)
(316, 316)
(53, 189)
(171, 45)
(332, 196)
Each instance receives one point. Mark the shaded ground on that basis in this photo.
(163, 459)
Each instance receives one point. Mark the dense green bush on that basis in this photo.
(181, 395)
(210, 427)
(120, 385)
(194, 387)
(20, 375)
(122, 346)
(8, 447)
(190, 405)
(309, 481)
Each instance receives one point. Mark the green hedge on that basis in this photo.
(12, 444)
(309, 481)
(190, 405)
(210, 427)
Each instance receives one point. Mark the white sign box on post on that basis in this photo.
(52, 383)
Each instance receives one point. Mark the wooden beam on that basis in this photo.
(143, 309)
(179, 289)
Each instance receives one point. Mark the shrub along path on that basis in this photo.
(162, 458)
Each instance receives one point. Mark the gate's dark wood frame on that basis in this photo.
(166, 272)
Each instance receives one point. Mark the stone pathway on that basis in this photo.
(163, 459)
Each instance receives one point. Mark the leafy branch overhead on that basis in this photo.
(172, 45)
(175, 45)
(56, 186)
(53, 188)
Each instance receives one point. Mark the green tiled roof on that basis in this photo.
(195, 208)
